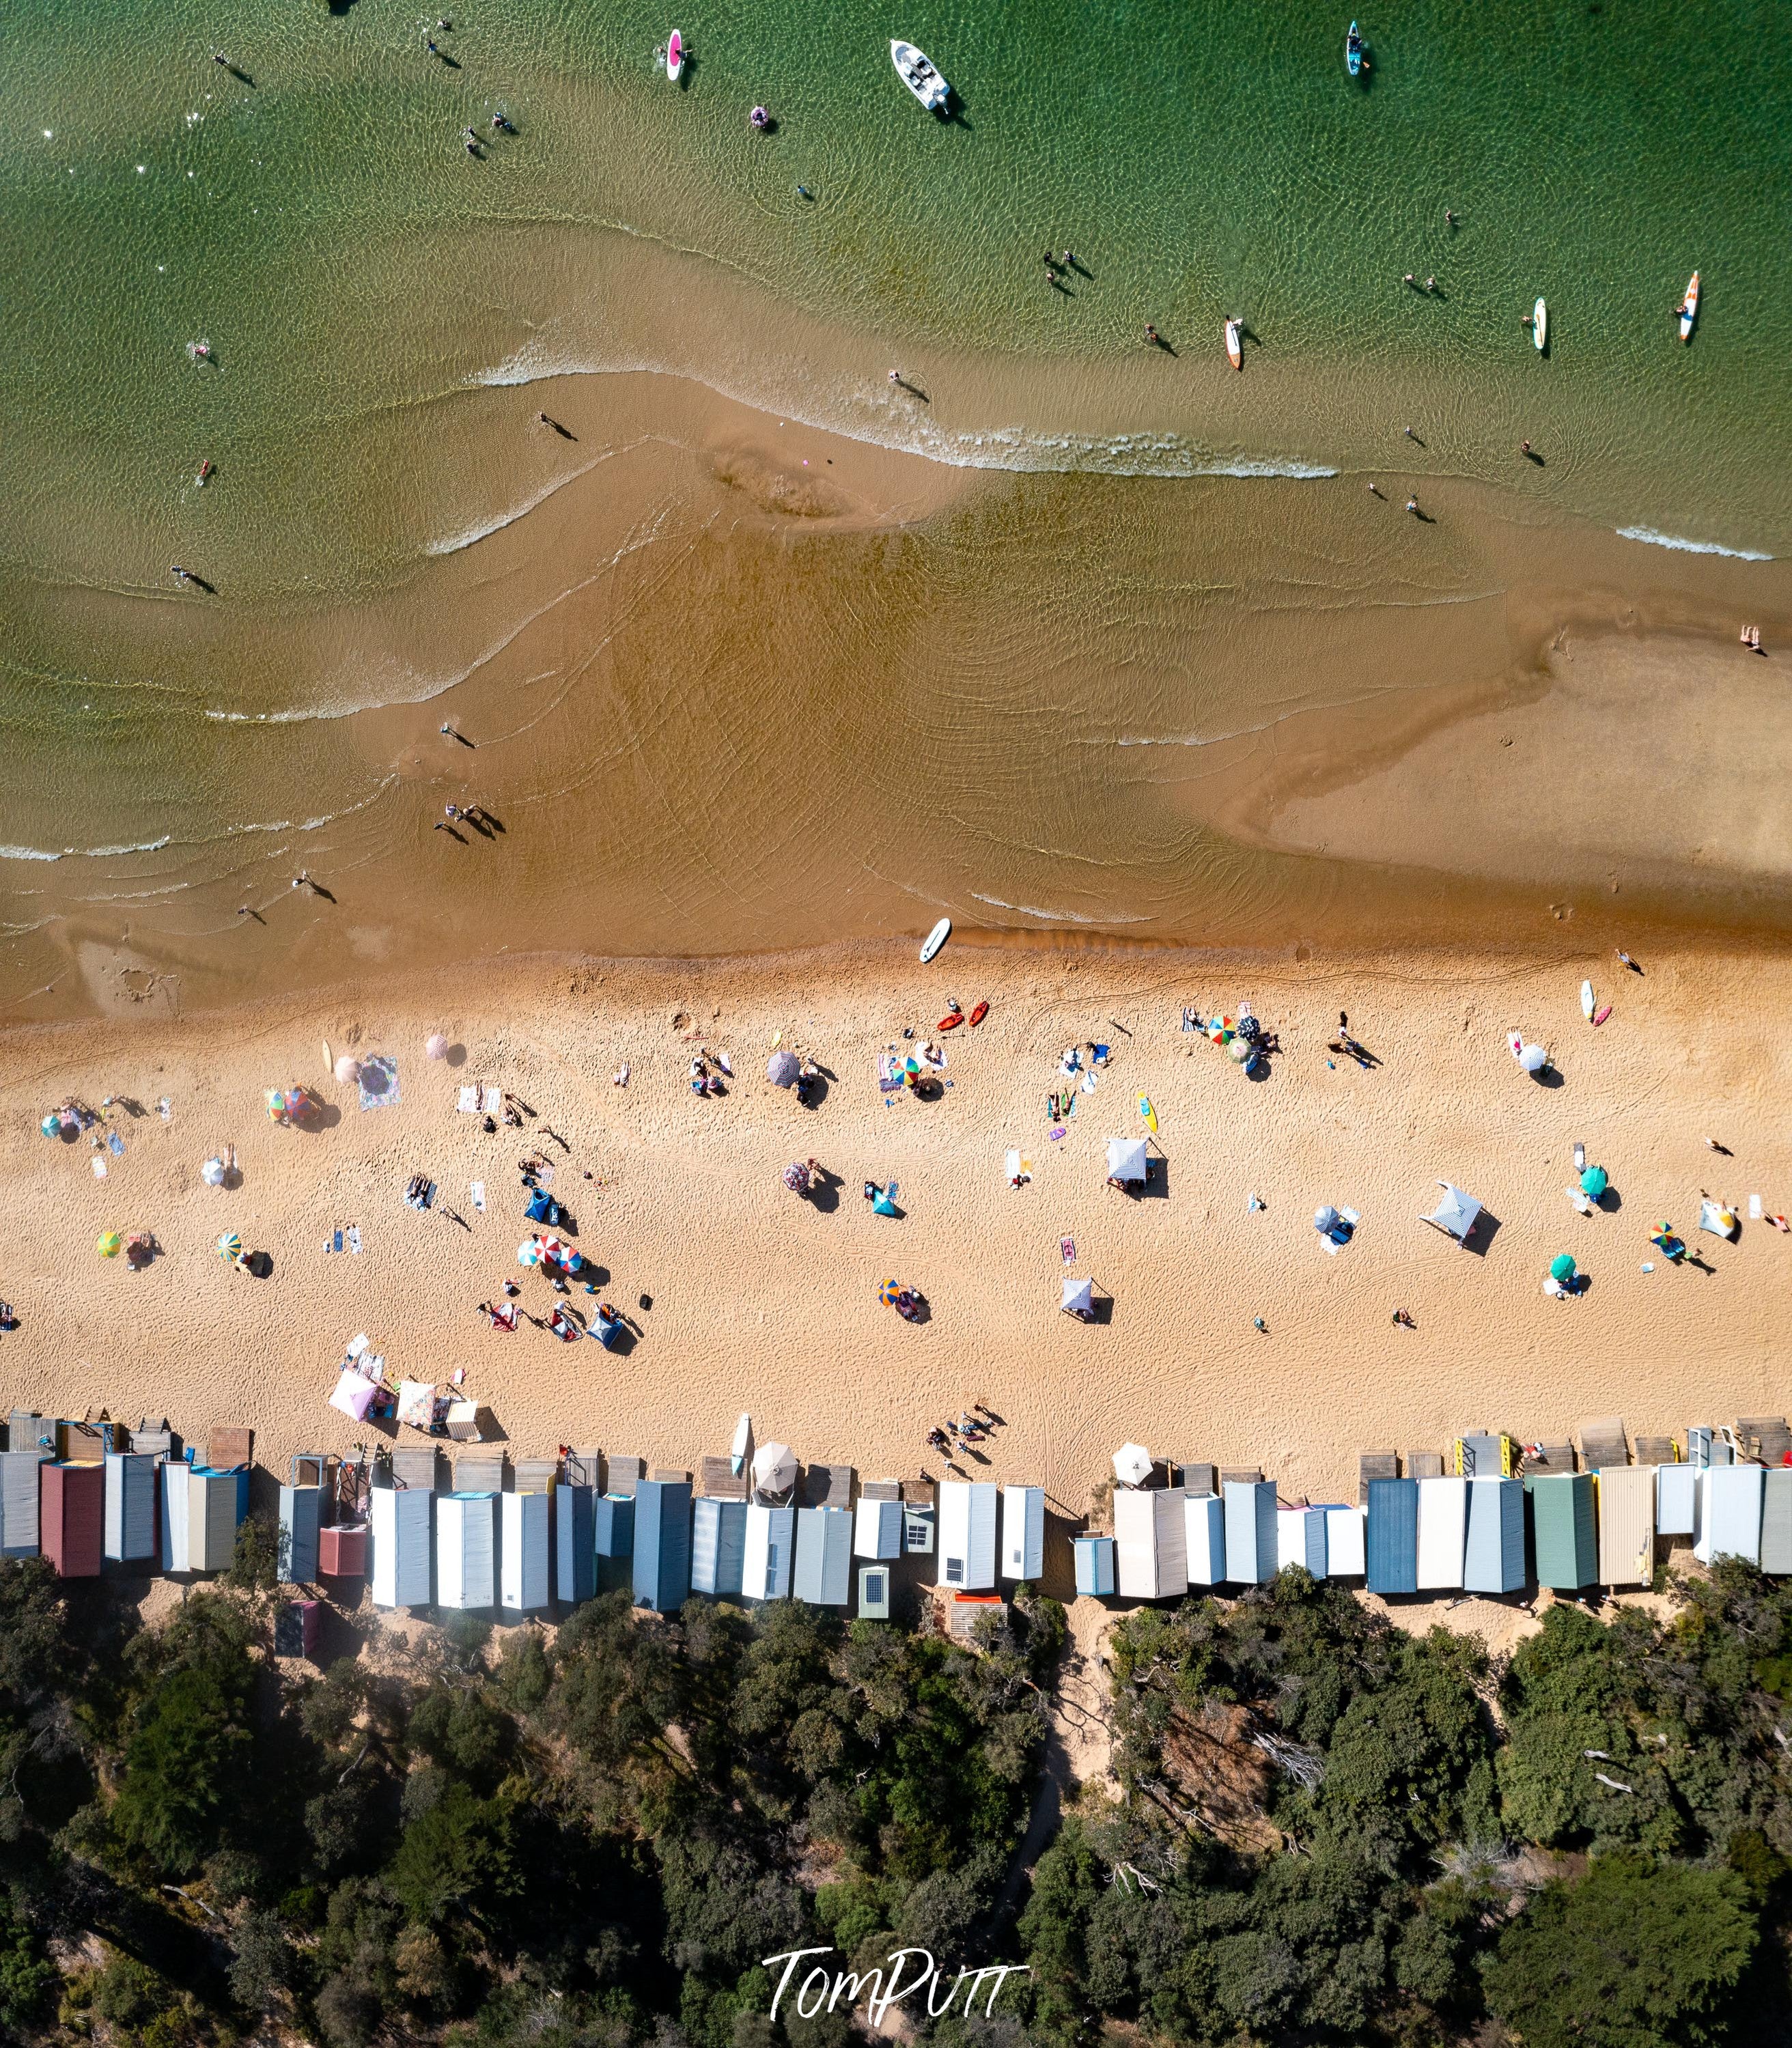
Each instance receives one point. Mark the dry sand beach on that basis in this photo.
(763, 1301)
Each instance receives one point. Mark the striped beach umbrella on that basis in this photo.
(229, 1247)
(888, 1291)
(276, 1105)
(109, 1244)
(530, 1254)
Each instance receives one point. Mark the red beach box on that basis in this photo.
(74, 1512)
(341, 1551)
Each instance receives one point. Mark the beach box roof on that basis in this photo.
(1252, 1547)
(771, 1543)
(877, 1531)
(74, 1514)
(718, 1546)
(1345, 1542)
(1562, 1531)
(1094, 1559)
(1443, 1523)
(1023, 1531)
(20, 1489)
(1493, 1556)
(467, 1551)
(522, 1574)
(662, 1561)
(1730, 1505)
(1455, 1215)
(1776, 1519)
(217, 1501)
(822, 1574)
(874, 1593)
(131, 1481)
(1125, 1159)
(1151, 1545)
(1627, 1525)
(400, 1535)
(574, 1544)
(1392, 1536)
(1677, 1499)
(1300, 1539)
(967, 1534)
(301, 1519)
(1204, 1538)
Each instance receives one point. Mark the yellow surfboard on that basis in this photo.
(1145, 1110)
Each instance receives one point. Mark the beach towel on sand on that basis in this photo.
(378, 1081)
(469, 1104)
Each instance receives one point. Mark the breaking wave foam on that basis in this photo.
(1686, 547)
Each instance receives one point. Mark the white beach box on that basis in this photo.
(1443, 1532)
(466, 1550)
(1677, 1500)
(522, 1585)
(1730, 1498)
(877, 1529)
(1204, 1538)
(401, 1538)
(968, 1534)
(1151, 1543)
(771, 1550)
(1023, 1531)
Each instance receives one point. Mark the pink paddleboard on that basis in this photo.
(675, 56)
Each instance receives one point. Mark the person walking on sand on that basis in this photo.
(1412, 506)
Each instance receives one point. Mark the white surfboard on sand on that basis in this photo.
(1587, 1001)
(935, 939)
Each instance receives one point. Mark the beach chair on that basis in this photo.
(1424, 1464)
(1374, 1465)
(718, 1480)
(1603, 1442)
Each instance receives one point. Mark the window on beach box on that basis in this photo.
(955, 1571)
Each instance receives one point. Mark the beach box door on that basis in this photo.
(523, 1569)
(130, 1506)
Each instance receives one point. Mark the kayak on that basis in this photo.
(980, 1013)
(1235, 352)
(1145, 1110)
(1689, 308)
(1540, 325)
(951, 1023)
(935, 939)
(675, 56)
(1353, 52)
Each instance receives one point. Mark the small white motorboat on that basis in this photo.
(918, 75)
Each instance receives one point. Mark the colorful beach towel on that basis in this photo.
(378, 1081)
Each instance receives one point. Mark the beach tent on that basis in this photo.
(1127, 1159)
(1392, 1536)
(1493, 1556)
(301, 1520)
(1443, 1522)
(574, 1544)
(1677, 1499)
(1776, 1519)
(524, 1523)
(878, 1530)
(1204, 1538)
(1300, 1539)
(874, 1593)
(775, 1468)
(1094, 1558)
(1250, 1536)
(1078, 1299)
(1626, 1500)
(1345, 1547)
(1023, 1531)
(1132, 1465)
(1730, 1504)
(771, 1543)
(1562, 1531)
(822, 1574)
(130, 1506)
(717, 1545)
(73, 1518)
(20, 1489)
(1151, 1545)
(662, 1544)
(400, 1530)
(354, 1395)
(968, 1534)
(467, 1551)
(1455, 1214)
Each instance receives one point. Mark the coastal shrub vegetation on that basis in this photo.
(1318, 1828)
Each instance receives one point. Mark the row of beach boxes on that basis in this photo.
(129, 1507)
(1491, 1535)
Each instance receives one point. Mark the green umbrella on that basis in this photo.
(1561, 1266)
(1594, 1182)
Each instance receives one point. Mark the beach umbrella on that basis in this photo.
(796, 1177)
(109, 1242)
(1078, 1298)
(1325, 1217)
(1721, 1222)
(348, 1070)
(1595, 1182)
(530, 1254)
(1240, 1049)
(229, 1247)
(887, 1292)
(1132, 1465)
(775, 1468)
(1561, 1266)
(50, 1126)
(297, 1102)
(1533, 1058)
(782, 1069)
(882, 1204)
(212, 1172)
(276, 1105)
(435, 1046)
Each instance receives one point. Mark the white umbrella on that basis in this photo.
(775, 1468)
(212, 1172)
(1125, 1159)
(782, 1069)
(348, 1070)
(1533, 1059)
(435, 1046)
(1079, 1297)
(1132, 1465)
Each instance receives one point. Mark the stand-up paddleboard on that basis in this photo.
(935, 939)
(1235, 351)
(743, 1443)
(1145, 1110)
(1540, 326)
(1353, 52)
(1689, 307)
(675, 56)
(1586, 1000)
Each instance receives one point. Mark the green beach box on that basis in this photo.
(1561, 1522)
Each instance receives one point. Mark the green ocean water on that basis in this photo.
(311, 213)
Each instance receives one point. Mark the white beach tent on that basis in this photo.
(1126, 1160)
(1455, 1214)
(1079, 1299)
(770, 1550)
(1132, 1465)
